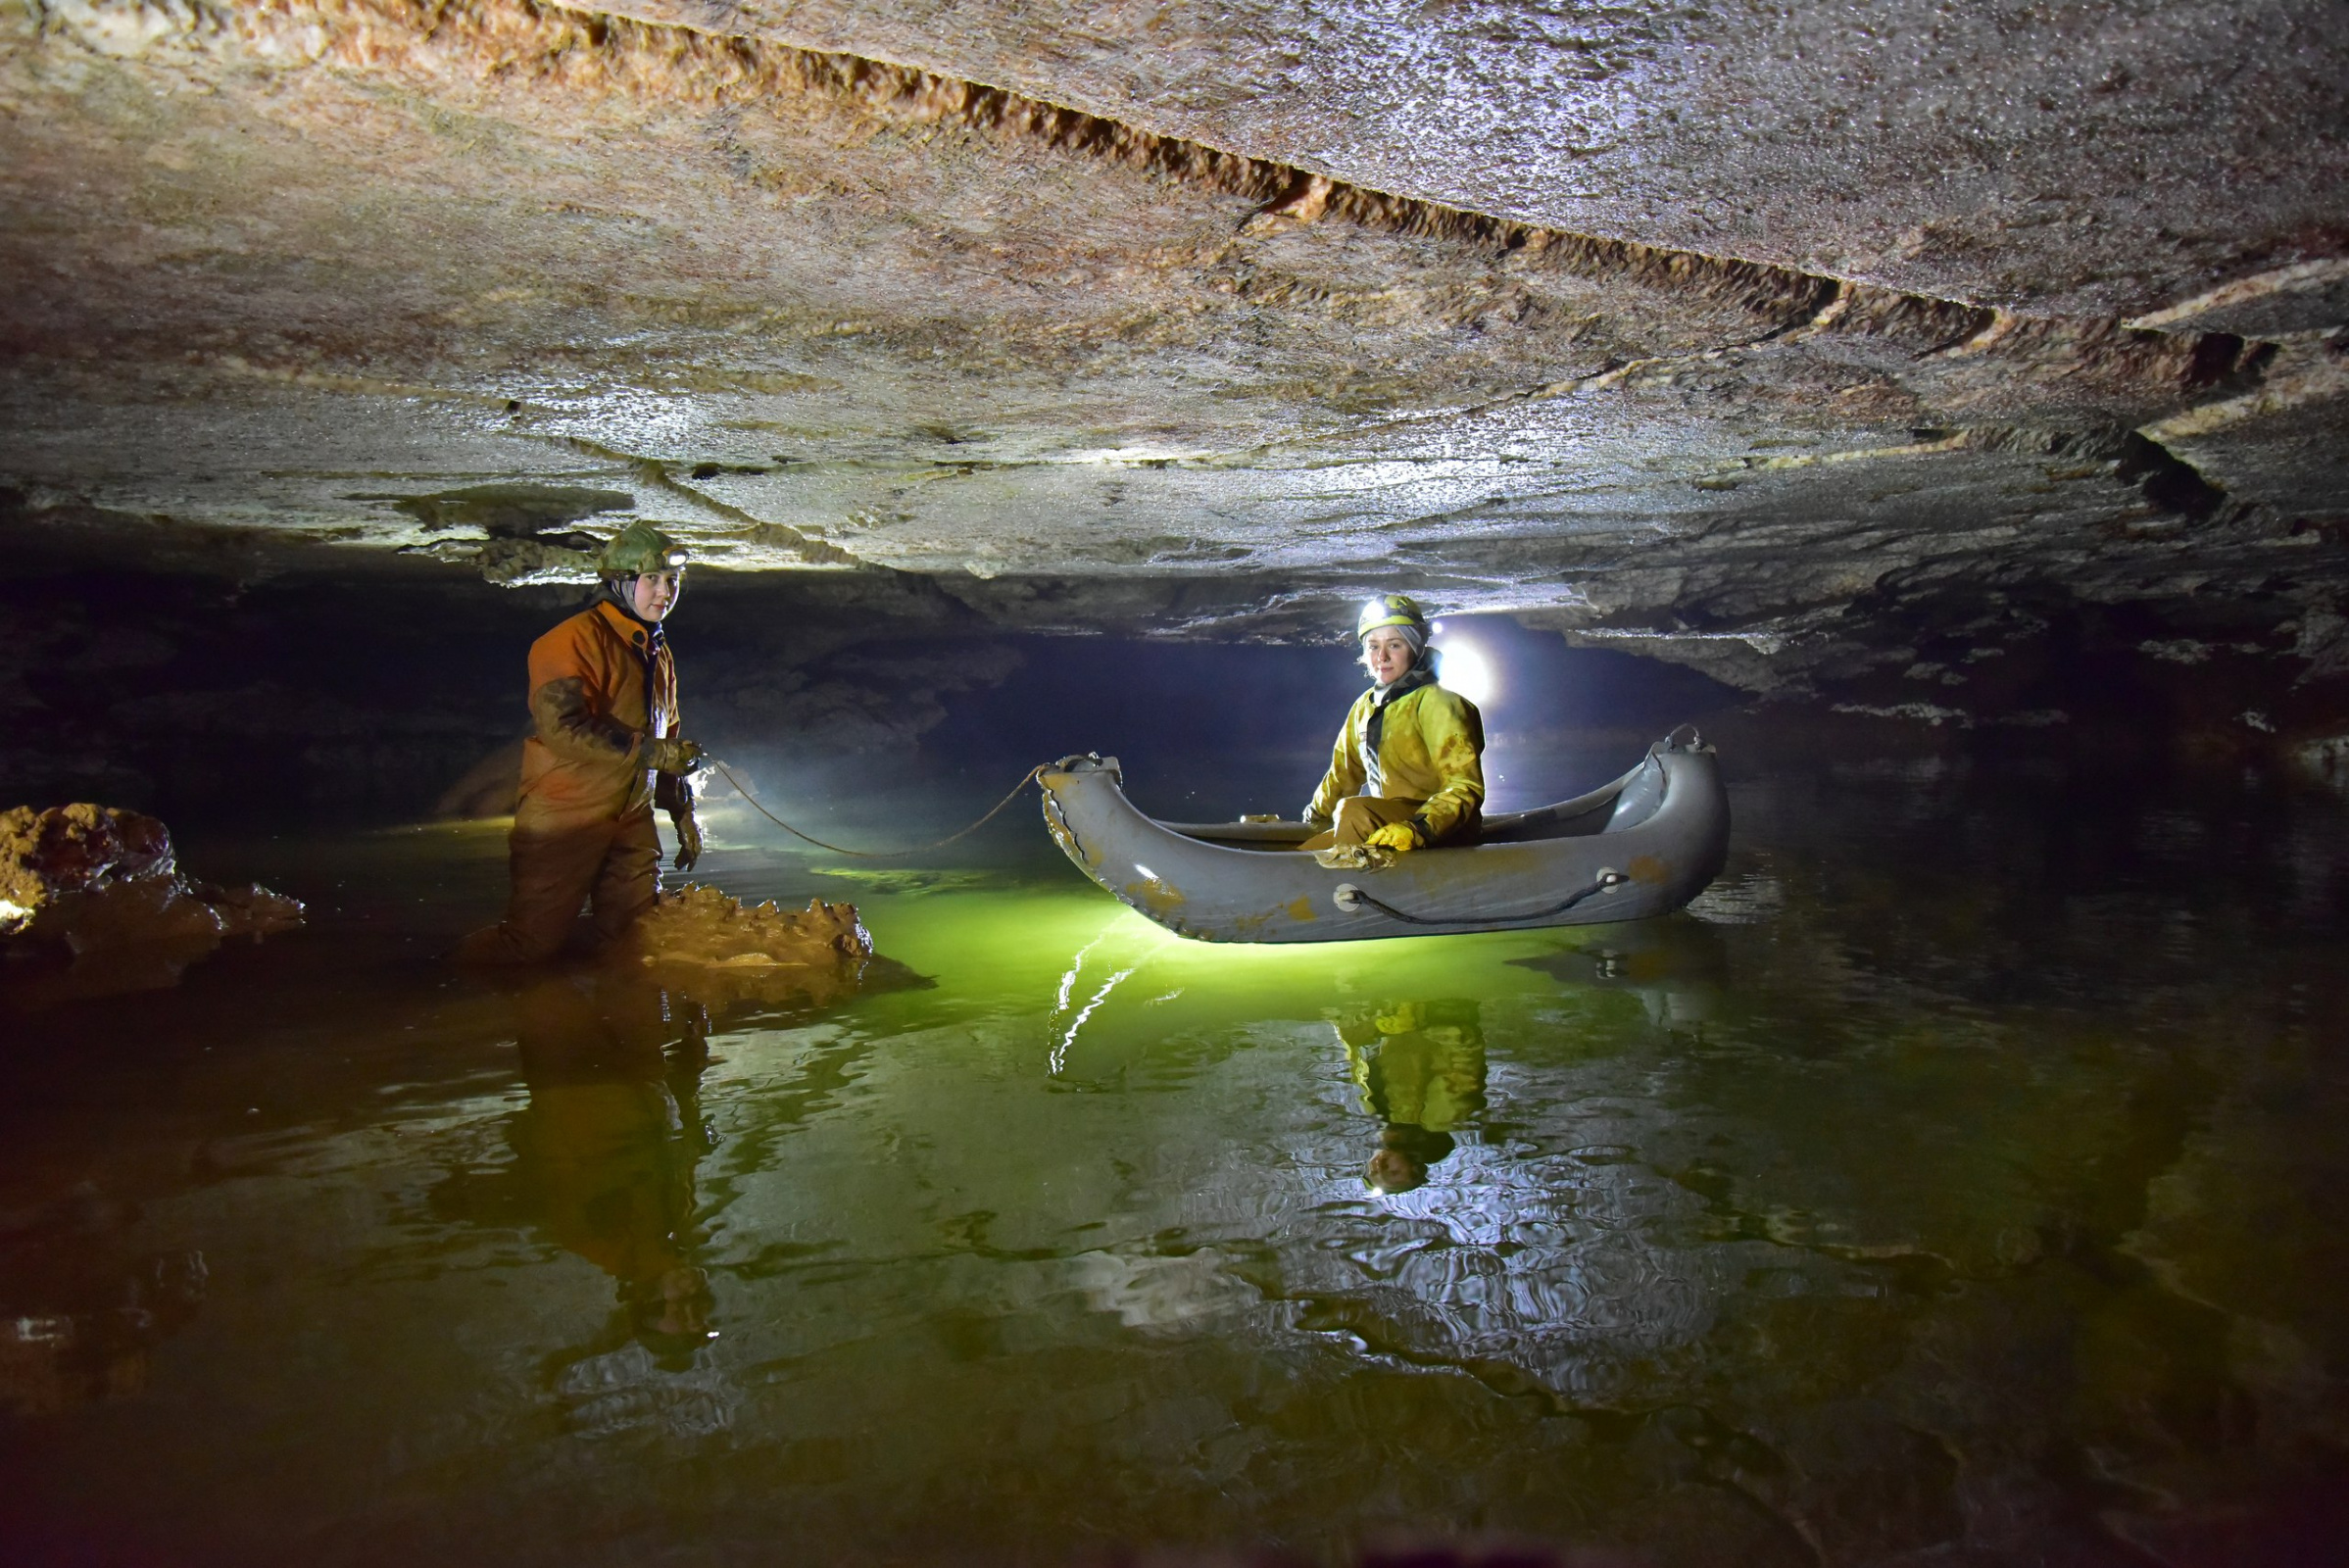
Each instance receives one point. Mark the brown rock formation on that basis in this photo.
(101, 887)
(700, 928)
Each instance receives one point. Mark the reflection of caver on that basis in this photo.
(610, 1139)
(1421, 1067)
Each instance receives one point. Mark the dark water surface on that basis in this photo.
(1962, 1182)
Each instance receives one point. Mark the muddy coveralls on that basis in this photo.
(1421, 1070)
(1410, 751)
(601, 685)
(613, 1134)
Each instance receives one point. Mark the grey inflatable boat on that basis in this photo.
(1642, 846)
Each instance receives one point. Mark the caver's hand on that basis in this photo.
(671, 754)
(1395, 836)
(689, 838)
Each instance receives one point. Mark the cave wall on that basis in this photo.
(303, 699)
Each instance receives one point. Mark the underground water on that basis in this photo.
(1958, 1173)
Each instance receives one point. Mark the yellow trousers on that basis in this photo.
(1361, 815)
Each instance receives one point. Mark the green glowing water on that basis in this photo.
(1964, 1173)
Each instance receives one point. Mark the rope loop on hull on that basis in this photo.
(1349, 898)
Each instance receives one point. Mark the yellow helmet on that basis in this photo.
(637, 549)
(1391, 609)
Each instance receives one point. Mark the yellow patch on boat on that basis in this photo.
(1647, 868)
(1057, 824)
(1301, 908)
(1156, 893)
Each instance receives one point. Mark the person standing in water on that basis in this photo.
(604, 751)
(1408, 769)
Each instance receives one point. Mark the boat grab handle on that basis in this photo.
(1349, 899)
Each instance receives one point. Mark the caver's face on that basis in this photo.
(654, 594)
(1388, 654)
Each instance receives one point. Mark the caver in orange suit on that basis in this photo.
(602, 697)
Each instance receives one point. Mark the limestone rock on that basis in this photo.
(73, 849)
(104, 885)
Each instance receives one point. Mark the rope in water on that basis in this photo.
(876, 855)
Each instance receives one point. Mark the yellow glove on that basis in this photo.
(1397, 837)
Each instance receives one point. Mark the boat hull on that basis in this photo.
(1642, 846)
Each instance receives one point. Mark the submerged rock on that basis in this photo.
(102, 889)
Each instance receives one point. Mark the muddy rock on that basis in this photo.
(73, 849)
(699, 927)
(101, 890)
(720, 954)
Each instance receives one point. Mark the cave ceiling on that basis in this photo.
(1712, 330)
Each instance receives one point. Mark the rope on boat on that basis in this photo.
(727, 773)
(1348, 897)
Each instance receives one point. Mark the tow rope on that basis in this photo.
(727, 773)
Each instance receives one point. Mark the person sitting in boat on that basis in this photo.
(1408, 769)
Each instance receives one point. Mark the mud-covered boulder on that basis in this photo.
(101, 890)
(700, 928)
(72, 849)
(725, 955)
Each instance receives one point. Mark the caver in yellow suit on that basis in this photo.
(603, 752)
(1408, 767)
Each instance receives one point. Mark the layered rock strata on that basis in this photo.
(1031, 304)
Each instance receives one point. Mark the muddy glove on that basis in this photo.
(673, 793)
(689, 836)
(1395, 836)
(669, 754)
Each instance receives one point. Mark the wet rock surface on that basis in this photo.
(199, 696)
(101, 889)
(697, 926)
(1738, 338)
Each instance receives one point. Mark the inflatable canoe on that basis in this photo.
(1642, 846)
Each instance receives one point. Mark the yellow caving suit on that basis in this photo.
(1420, 1068)
(1410, 751)
(601, 685)
(1419, 1063)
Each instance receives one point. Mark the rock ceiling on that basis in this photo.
(1713, 329)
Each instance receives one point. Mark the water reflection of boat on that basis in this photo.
(1642, 846)
(1675, 967)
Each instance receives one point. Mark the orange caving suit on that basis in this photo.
(601, 684)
